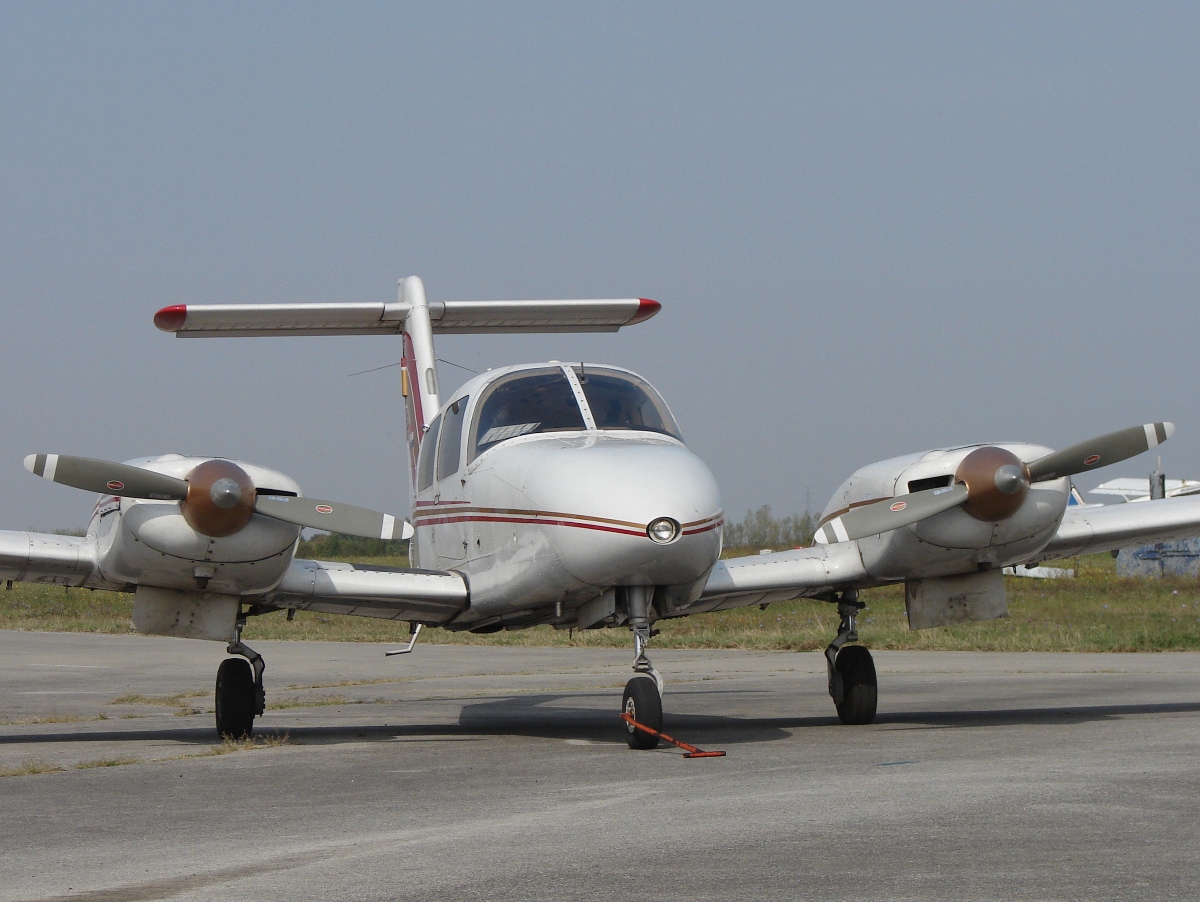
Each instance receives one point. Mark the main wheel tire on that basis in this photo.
(860, 688)
(643, 703)
(235, 699)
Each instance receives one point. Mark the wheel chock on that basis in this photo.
(690, 750)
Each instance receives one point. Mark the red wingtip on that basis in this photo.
(646, 309)
(170, 319)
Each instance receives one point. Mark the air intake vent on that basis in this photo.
(933, 482)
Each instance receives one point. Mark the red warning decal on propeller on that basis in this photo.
(899, 506)
(1094, 459)
(324, 509)
(115, 485)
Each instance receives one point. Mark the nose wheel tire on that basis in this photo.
(235, 699)
(854, 674)
(643, 703)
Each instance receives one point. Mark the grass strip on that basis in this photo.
(1096, 611)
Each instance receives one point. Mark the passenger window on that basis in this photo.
(619, 401)
(428, 454)
(525, 403)
(451, 440)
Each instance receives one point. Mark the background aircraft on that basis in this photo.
(563, 494)
(1129, 488)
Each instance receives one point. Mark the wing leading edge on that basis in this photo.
(46, 558)
(764, 578)
(1091, 529)
(392, 593)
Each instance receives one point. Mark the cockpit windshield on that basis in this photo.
(524, 403)
(623, 401)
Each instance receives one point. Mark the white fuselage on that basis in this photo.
(560, 517)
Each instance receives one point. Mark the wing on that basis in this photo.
(392, 593)
(764, 578)
(1091, 529)
(44, 558)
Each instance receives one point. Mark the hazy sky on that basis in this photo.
(873, 228)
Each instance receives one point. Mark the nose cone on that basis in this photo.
(631, 510)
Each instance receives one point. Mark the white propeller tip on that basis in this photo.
(30, 461)
(1169, 429)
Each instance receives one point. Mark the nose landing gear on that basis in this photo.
(643, 694)
(853, 685)
(240, 695)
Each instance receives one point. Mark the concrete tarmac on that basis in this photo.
(501, 773)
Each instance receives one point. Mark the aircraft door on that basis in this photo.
(452, 534)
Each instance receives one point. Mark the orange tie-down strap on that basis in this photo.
(691, 750)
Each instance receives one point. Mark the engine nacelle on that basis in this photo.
(994, 528)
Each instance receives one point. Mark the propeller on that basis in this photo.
(991, 484)
(891, 513)
(1100, 452)
(217, 497)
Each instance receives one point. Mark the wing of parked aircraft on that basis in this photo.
(1111, 526)
(823, 570)
(431, 597)
(36, 557)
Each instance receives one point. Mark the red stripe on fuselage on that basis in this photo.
(540, 521)
(548, 518)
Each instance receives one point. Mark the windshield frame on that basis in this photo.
(484, 396)
(572, 374)
(580, 373)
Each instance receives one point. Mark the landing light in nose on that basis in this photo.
(664, 530)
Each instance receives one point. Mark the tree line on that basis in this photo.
(760, 529)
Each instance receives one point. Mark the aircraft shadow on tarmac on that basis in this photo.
(543, 716)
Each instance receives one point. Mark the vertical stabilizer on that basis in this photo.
(418, 376)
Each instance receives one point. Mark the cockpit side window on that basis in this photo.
(524, 403)
(621, 401)
(450, 444)
(428, 455)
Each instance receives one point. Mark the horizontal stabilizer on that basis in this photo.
(446, 317)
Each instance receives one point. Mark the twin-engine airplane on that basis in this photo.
(560, 494)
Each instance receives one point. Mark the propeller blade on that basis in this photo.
(1100, 452)
(891, 513)
(331, 516)
(106, 477)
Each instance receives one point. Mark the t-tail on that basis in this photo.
(416, 320)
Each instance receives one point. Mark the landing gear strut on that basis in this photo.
(852, 682)
(643, 694)
(240, 694)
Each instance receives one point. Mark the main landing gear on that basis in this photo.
(643, 694)
(852, 682)
(240, 693)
